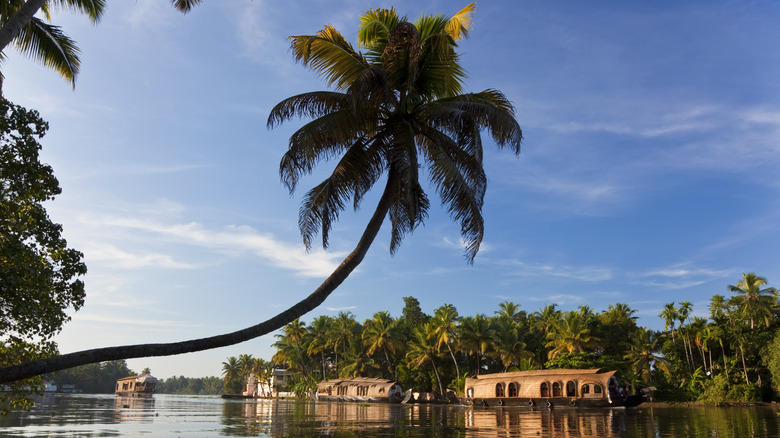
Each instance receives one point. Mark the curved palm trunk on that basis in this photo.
(14, 25)
(438, 378)
(457, 368)
(70, 360)
(303, 362)
(389, 364)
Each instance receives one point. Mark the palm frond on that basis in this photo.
(375, 28)
(356, 171)
(371, 90)
(460, 181)
(320, 139)
(489, 108)
(310, 105)
(459, 25)
(50, 46)
(330, 55)
(91, 8)
(185, 6)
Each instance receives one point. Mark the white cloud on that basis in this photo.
(115, 257)
(113, 320)
(233, 240)
(678, 277)
(583, 273)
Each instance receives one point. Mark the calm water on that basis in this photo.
(61, 415)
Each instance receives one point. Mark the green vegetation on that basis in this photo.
(734, 356)
(101, 378)
(39, 274)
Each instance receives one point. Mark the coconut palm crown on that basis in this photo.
(394, 105)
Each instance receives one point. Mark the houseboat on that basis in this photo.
(360, 389)
(141, 385)
(550, 388)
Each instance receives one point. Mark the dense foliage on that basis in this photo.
(95, 378)
(191, 385)
(39, 274)
(732, 356)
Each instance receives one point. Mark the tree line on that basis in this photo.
(100, 378)
(732, 355)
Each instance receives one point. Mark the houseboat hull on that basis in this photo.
(134, 394)
(358, 399)
(360, 390)
(630, 401)
(550, 389)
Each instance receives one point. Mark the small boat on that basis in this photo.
(550, 388)
(142, 385)
(360, 389)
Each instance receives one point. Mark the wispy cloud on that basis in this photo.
(233, 240)
(118, 258)
(113, 320)
(581, 273)
(677, 277)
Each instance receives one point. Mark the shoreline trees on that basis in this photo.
(716, 359)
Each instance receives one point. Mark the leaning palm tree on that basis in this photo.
(444, 323)
(571, 334)
(318, 337)
(395, 106)
(510, 311)
(669, 314)
(477, 336)
(231, 371)
(383, 334)
(752, 301)
(643, 353)
(422, 351)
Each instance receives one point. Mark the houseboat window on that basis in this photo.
(470, 392)
(499, 389)
(571, 389)
(585, 390)
(381, 390)
(597, 389)
(512, 390)
(557, 390)
(545, 390)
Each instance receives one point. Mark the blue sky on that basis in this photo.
(648, 174)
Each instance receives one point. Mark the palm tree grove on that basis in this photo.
(732, 355)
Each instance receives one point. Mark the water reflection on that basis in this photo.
(181, 416)
(134, 409)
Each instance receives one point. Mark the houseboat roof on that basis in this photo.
(139, 378)
(358, 380)
(540, 375)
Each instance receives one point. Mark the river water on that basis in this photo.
(67, 415)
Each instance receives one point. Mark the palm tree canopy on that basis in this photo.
(753, 301)
(397, 104)
(47, 43)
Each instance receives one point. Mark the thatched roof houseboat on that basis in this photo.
(550, 388)
(142, 385)
(360, 389)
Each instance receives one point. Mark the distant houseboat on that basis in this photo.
(360, 389)
(550, 388)
(142, 385)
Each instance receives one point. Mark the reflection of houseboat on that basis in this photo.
(360, 389)
(141, 385)
(550, 388)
